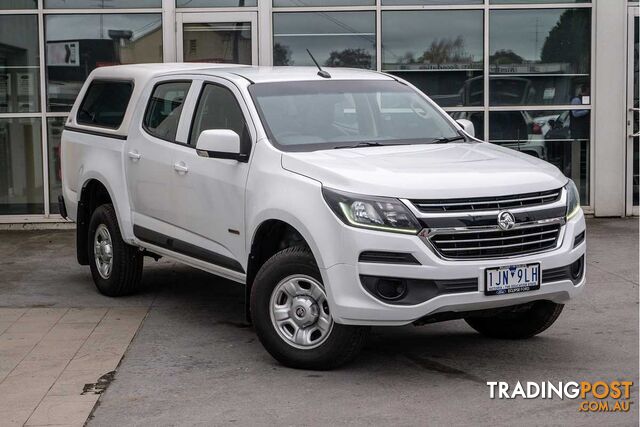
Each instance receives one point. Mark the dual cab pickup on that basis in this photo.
(341, 199)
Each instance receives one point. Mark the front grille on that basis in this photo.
(487, 203)
(493, 243)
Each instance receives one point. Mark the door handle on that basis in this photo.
(180, 167)
(134, 155)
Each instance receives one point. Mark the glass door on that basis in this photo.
(633, 114)
(225, 37)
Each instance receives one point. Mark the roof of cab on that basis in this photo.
(263, 74)
(254, 74)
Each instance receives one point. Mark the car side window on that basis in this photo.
(105, 104)
(218, 108)
(163, 111)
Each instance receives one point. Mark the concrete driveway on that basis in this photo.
(194, 361)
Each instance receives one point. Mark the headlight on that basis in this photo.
(573, 199)
(375, 213)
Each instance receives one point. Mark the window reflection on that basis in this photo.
(336, 39)
(216, 3)
(429, 2)
(103, 4)
(228, 42)
(559, 137)
(18, 4)
(536, 1)
(21, 183)
(539, 56)
(317, 3)
(438, 51)
(77, 44)
(54, 132)
(475, 117)
(19, 64)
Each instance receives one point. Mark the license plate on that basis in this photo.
(511, 278)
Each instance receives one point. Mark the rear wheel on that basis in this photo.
(292, 318)
(116, 267)
(522, 322)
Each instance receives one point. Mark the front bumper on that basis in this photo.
(352, 304)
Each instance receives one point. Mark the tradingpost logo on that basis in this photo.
(596, 396)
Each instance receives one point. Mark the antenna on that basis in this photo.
(322, 73)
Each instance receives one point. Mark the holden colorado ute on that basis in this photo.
(342, 199)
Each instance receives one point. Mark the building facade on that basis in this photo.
(556, 80)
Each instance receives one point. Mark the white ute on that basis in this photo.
(342, 199)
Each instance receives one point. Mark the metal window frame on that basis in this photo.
(633, 12)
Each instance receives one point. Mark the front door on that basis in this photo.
(210, 192)
(633, 114)
(225, 37)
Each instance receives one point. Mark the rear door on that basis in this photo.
(149, 152)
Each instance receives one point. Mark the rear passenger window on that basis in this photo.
(218, 108)
(105, 104)
(164, 109)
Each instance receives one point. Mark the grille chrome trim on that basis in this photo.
(511, 245)
(559, 201)
(502, 238)
(429, 237)
(482, 204)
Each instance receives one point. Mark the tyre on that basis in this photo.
(520, 323)
(116, 267)
(291, 315)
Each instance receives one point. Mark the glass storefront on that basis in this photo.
(519, 70)
(336, 39)
(558, 137)
(18, 4)
(216, 3)
(19, 64)
(54, 132)
(100, 4)
(227, 42)
(21, 182)
(440, 52)
(77, 44)
(539, 57)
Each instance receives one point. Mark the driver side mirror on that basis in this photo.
(467, 126)
(220, 144)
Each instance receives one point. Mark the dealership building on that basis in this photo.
(557, 80)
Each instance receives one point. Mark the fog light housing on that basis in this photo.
(391, 289)
(386, 288)
(577, 270)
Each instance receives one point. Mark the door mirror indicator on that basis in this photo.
(220, 144)
(467, 126)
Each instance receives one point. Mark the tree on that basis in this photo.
(569, 41)
(281, 55)
(505, 57)
(443, 51)
(354, 58)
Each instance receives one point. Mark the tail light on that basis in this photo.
(536, 129)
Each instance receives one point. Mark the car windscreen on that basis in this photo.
(315, 115)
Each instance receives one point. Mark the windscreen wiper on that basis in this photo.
(361, 144)
(444, 139)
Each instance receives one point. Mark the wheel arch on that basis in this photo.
(270, 236)
(94, 192)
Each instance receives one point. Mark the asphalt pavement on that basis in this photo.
(195, 361)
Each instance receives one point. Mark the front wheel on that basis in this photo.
(519, 323)
(291, 314)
